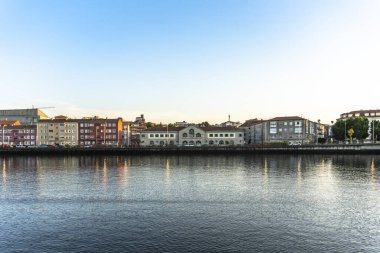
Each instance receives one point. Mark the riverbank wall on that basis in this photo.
(309, 149)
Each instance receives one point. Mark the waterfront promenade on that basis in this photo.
(305, 149)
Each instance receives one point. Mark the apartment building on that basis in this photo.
(100, 131)
(58, 131)
(291, 129)
(12, 133)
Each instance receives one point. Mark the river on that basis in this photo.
(190, 203)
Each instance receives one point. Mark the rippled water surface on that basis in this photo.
(190, 204)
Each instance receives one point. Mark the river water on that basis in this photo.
(239, 203)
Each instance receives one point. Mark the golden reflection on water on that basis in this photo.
(105, 175)
(4, 166)
(266, 177)
(167, 172)
(373, 175)
(299, 172)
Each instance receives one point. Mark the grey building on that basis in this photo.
(254, 131)
(291, 129)
(24, 116)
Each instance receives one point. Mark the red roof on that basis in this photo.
(9, 122)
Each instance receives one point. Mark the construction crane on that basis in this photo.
(46, 107)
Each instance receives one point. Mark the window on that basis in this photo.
(231, 135)
(151, 135)
(225, 135)
(156, 135)
(211, 142)
(143, 135)
(240, 135)
(211, 135)
(184, 135)
(171, 135)
(191, 132)
(216, 135)
(273, 124)
(198, 135)
(161, 135)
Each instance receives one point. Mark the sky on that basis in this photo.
(194, 61)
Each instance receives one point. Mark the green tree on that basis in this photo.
(338, 130)
(375, 129)
(149, 124)
(358, 124)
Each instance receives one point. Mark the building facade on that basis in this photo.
(16, 134)
(98, 131)
(58, 131)
(192, 136)
(291, 129)
(24, 116)
(254, 131)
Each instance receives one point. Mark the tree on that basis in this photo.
(204, 124)
(375, 130)
(171, 125)
(358, 124)
(338, 130)
(149, 124)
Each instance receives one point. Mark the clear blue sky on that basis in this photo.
(191, 60)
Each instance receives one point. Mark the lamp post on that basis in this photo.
(345, 131)
(373, 131)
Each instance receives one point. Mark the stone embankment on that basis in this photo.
(306, 149)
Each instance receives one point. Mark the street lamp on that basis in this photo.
(345, 126)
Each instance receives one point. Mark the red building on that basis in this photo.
(97, 131)
(12, 133)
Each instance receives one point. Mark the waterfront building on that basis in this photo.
(58, 131)
(24, 116)
(100, 131)
(254, 131)
(291, 129)
(16, 134)
(160, 136)
(371, 115)
(192, 136)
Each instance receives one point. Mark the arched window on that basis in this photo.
(184, 135)
(191, 132)
(232, 143)
(162, 143)
(198, 143)
(198, 135)
(227, 142)
(211, 142)
(151, 143)
(171, 142)
(221, 142)
(184, 143)
(191, 143)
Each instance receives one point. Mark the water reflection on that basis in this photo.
(193, 203)
(167, 171)
(4, 174)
